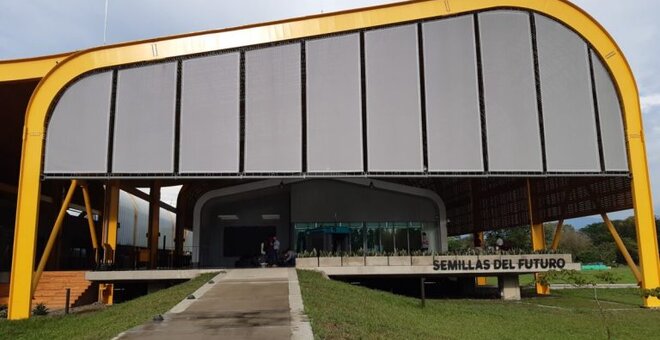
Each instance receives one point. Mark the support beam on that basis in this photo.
(617, 239)
(53, 236)
(509, 287)
(10, 189)
(538, 235)
(622, 247)
(478, 240)
(477, 236)
(90, 222)
(181, 217)
(143, 195)
(647, 238)
(154, 221)
(179, 238)
(109, 236)
(557, 237)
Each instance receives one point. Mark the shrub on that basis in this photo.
(40, 309)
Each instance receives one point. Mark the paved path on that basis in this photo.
(241, 304)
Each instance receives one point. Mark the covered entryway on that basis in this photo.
(341, 215)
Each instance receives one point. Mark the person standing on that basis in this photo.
(425, 242)
(276, 250)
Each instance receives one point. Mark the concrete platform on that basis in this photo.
(241, 304)
(147, 275)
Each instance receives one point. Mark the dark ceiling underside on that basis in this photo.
(14, 98)
(480, 204)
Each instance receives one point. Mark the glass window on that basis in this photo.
(400, 230)
(357, 237)
(415, 235)
(373, 235)
(386, 237)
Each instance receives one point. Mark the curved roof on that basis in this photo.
(498, 92)
(604, 58)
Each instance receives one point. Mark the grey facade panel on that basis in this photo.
(514, 142)
(77, 136)
(144, 120)
(453, 121)
(394, 138)
(569, 121)
(273, 110)
(334, 116)
(611, 119)
(209, 131)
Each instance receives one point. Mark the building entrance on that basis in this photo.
(338, 216)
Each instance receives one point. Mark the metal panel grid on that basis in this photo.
(209, 136)
(303, 167)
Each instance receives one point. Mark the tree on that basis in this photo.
(574, 241)
(514, 238)
(458, 243)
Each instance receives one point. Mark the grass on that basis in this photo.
(622, 273)
(342, 311)
(102, 324)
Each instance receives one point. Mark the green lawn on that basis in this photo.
(103, 324)
(622, 273)
(342, 311)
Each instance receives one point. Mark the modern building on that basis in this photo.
(366, 129)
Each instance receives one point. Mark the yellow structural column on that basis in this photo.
(538, 236)
(647, 238)
(25, 232)
(479, 244)
(109, 236)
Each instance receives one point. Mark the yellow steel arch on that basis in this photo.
(32, 68)
(79, 63)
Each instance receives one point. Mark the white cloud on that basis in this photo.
(650, 101)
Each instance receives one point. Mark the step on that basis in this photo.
(51, 290)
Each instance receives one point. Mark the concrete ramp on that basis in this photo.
(240, 304)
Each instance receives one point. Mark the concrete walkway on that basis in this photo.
(241, 304)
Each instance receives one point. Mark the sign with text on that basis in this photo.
(501, 263)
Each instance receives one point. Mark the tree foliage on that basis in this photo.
(593, 243)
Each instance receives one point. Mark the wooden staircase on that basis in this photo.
(51, 290)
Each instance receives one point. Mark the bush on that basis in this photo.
(40, 309)
(605, 253)
(3, 311)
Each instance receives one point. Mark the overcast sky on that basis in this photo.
(40, 27)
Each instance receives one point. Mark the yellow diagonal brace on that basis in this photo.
(538, 236)
(90, 222)
(622, 247)
(109, 236)
(557, 236)
(53, 235)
